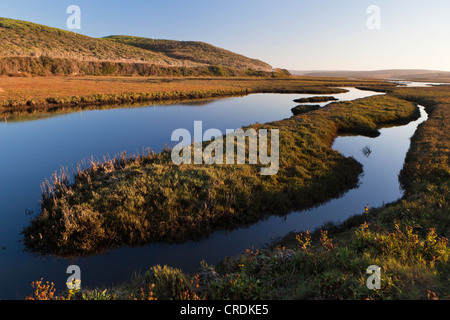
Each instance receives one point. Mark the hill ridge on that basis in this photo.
(20, 38)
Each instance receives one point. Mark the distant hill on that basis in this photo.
(197, 52)
(30, 47)
(389, 74)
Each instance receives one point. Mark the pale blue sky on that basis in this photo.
(292, 34)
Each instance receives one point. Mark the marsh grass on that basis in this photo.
(316, 99)
(304, 108)
(29, 96)
(142, 199)
(408, 239)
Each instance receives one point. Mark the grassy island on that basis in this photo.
(408, 239)
(147, 198)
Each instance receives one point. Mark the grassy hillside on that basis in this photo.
(197, 52)
(27, 47)
(26, 39)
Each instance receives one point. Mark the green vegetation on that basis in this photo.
(304, 108)
(136, 97)
(387, 88)
(315, 99)
(142, 199)
(47, 66)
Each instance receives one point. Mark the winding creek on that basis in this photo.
(32, 150)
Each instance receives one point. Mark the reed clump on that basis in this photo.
(316, 99)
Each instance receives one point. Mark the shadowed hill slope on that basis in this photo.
(194, 51)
